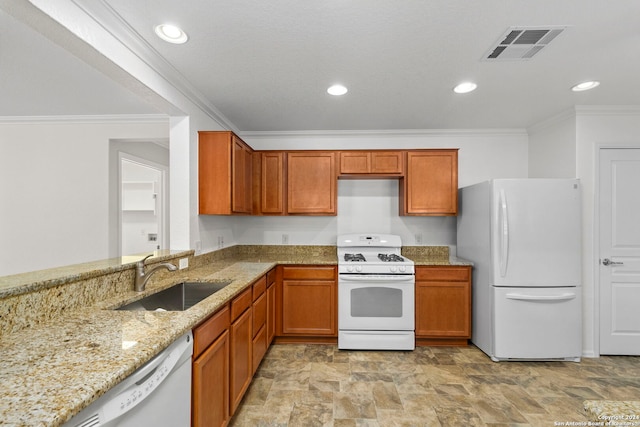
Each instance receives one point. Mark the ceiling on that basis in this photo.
(266, 65)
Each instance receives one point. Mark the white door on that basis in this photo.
(619, 251)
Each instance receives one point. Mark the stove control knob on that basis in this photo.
(402, 268)
(349, 268)
(359, 268)
(393, 269)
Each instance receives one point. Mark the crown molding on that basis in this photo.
(607, 110)
(103, 23)
(119, 28)
(90, 119)
(392, 133)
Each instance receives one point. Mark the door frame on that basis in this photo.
(163, 241)
(596, 239)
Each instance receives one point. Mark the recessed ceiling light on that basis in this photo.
(465, 87)
(585, 86)
(337, 90)
(171, 33)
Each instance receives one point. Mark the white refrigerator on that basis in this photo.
(524, 239)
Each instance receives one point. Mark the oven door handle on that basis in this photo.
(376, 278)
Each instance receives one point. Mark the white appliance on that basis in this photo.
(524, 238)
(157, 394)
(375, 293)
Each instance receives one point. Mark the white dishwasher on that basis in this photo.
(158, 394)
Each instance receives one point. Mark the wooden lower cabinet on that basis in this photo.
(228, 348)
(308, 302)
(211, 371)
(443, 305)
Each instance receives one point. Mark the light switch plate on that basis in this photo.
(183, 263)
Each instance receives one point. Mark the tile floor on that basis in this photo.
(319, 385)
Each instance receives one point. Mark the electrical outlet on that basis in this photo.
(220, 242)
(183, 263)
(418, 238)
(285, 239)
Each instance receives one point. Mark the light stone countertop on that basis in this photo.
(50, 372)
(613, 412)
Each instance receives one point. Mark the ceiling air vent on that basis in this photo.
(522, 43)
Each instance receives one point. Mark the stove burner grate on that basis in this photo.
(354, 258)
(390, 258)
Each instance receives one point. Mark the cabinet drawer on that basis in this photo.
(271, 277)
(316, 273)
(443, 273)
(259, 313)
(259, 287)
(240, 304)
(205, 333)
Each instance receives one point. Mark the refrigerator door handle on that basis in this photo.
(525, 297)
(504, 233)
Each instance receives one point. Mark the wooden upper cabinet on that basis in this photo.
(431, 183)
(225, 165)
(268, 183)
(376, 163)
(311, 183)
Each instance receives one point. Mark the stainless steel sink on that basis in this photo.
(179, 297)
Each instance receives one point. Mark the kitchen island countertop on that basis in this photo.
(51, 371)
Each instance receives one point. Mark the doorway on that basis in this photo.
(143, 205)
(619, 250)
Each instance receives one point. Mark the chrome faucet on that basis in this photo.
(142, 277)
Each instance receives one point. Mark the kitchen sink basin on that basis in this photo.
(179, 297)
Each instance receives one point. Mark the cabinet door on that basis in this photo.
(311, 183)
(214, 173)
(241, 358)
(242, 162)
(371, 162)
(387, 162)
(309, 307)
(355, 162)
(431, 183)
(443, 309)
(271, 313)
(443, 304)
(259, 348)
(211, 385)
(271, 183)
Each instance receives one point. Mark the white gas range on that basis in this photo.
(375, 293)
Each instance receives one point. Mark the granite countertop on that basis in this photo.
(49, 372)
(613, 412)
